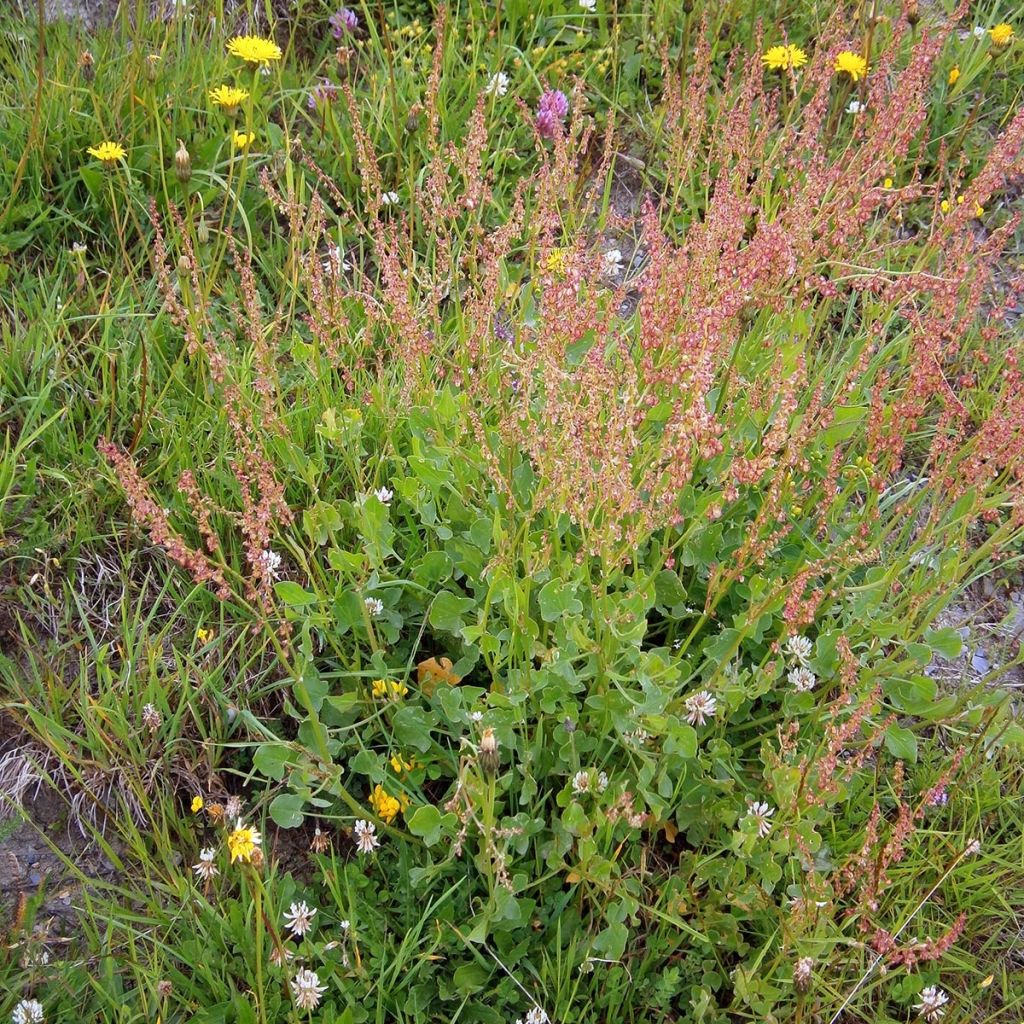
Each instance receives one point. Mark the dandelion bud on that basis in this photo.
(687, 6)
(203, 230)
(183, 266)
(912, 12)
(488, 751)
(87, 65)
(257, 860)
(152, 66)
(182, 163)
(412, 120)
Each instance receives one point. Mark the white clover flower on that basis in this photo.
(271, 562)
(206, 869)
(374, 606)
(602, 781)
(497, 84)
(581, 782)
(799, 648)
(384, 495)
(366, 836)
(611, 263)
(802, 679)
(334, 260)
(280, 955)
(389, 199)
(299, 918)
(933, 1003)
(761, 813)
(802, 971)
(700, 707)
(856, 107)
(589, 5)
(535, 1015)
(28, 1011)
(307, 990)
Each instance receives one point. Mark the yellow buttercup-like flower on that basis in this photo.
(782, 58)
(852, 64)
(197, 804)
(228, 97)
(954, 74)
(384, 688)
(243, 140)
(108, 153)
(384, 805)
(254, 49)
(1001, 35)
(242, 843)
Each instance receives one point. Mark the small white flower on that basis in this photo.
(299, 918)
(803, 970)
(233, 807)
(374, 606)
(384, 495)
(265, 70)
(979, 33)
(366, 836)
(497, 84)
(581, 782)
(476, 717)
(280, 955)
(271, 562)
(206, 869)
(602, 781)
(151, 718)
(799, 648)
(344, 925)
(972, 848)
(589, 5)
(389, 198)
(856, 107)
(28, 1011)
(307, 989)
(536, 1016)
(700, 707)
(933, 1003)
(802, 679)
(611, 263)
(761, 813)
(78, 248)
(334, 260)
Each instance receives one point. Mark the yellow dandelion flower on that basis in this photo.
(108, 153)
(254, 49)
(197, 804)
(954, 74)
(242, 843)
(384, 805)
(243, 140)
(556, 261)
(1001, 35)
(384, 688)
(887, 183)
(782, 58)
(852, 64)
(228, 97)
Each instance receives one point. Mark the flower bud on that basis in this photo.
(489, 751)
(203, 230)
(182, 163)
(912, 12)
(87, 65)
(183, 266)
(152, 66)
